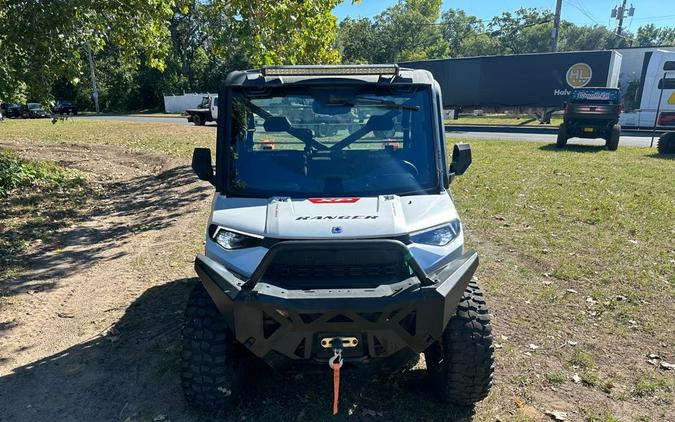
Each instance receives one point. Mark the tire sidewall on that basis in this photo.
(561, 140)
(614, 136)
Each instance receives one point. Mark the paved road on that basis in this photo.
(533, 134)
(626, 140)
(542, 134)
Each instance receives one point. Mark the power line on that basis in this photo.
(584, 11)
(651, 18)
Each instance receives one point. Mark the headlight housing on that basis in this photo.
(438, 236)
(232, 240)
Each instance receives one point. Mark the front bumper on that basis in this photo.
(277, 322)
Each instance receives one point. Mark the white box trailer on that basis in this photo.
(180, 103)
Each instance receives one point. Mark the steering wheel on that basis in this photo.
(410, 168)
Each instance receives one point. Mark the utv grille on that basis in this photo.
(288, 272)
(336, 265)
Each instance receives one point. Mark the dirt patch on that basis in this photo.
(61, 319)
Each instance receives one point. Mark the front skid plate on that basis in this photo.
(384, 321)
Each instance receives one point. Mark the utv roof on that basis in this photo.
(384, 74)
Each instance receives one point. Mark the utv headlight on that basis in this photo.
(439, 236)
(231, 240)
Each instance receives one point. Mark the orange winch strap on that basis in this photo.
(336, 386)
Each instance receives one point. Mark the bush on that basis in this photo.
(17, 173)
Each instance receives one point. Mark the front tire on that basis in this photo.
(561, 141)
(666, 144)
(212, 373)
(613, 139)
(461, 363)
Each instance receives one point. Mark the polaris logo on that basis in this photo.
(338, 217)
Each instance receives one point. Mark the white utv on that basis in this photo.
(344, 248)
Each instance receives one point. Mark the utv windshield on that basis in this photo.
(304, 142)
(595, 96)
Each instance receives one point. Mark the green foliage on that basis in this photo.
(411, 29)
(45, 41)
(404, 31)
(578, 38)
(525, 31)
(144, 48)
(650, 35)
(16, 173)
(275, 31)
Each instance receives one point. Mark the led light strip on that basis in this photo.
(330, 70)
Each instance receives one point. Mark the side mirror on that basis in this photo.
(277, 124)
(201, 164)
(378, 122)
(461, 159)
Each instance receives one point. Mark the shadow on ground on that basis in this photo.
(662, 156)
(573, 148)
(132, 374)
(122, 209)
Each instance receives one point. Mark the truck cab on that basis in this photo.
(655, 94)
(206, 111)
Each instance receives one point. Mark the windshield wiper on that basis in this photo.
(381, 103)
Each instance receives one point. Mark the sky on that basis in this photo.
(582, 12)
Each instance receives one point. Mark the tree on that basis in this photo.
(650, 35)
(359, 42)
(145, 47)
(526, 31)
(43, 41)
(463, 33)
(410, 31)
(407, 30)
(580, 38)
(276, 31)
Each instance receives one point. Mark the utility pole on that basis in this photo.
(619, 13)
(93, 77)
(556, 26)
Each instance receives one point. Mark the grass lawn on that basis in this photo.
(171, 139)
(509, 120)
(577, 263)
(578, 259)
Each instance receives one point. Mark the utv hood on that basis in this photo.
(330, 218)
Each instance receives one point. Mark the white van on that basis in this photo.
(657, 86)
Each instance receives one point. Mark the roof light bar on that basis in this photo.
(330, 70)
